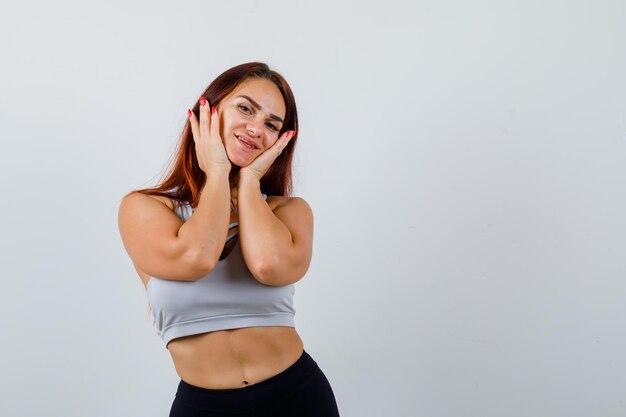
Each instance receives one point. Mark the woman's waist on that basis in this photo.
(235, 358)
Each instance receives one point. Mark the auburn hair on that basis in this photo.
(184, 179)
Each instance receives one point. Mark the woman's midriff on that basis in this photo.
(235, 358)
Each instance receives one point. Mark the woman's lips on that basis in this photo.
(244, 145)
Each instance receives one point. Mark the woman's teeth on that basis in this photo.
(245, 143)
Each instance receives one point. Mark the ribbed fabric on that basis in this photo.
(229, 297)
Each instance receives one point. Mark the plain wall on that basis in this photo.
(465, 162)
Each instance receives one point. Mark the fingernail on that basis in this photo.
(188, 112)
(213, 110)
(293, 133)
(202, 101)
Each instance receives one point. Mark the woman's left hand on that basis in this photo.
(263, 162)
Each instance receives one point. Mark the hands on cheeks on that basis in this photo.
(263, 162)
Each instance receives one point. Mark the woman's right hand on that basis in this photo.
(210, 151)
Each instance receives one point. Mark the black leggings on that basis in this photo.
(301, 390)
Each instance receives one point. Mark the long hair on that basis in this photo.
(184, 179)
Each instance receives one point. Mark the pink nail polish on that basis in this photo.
(213, 110)
(188, 113)
(202, 101)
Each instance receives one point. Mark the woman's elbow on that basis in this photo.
(204, 263)
(278, 274)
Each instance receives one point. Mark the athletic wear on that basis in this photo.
(229, 297)
(302, 390)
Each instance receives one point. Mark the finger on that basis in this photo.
(284, 140)
(215, 123)
(204, 117)
(193, 121)
(276, 149)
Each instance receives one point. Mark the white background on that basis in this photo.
(465, 162)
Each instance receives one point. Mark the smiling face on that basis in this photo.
(251, 117)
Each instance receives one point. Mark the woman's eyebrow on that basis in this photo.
(258, 107)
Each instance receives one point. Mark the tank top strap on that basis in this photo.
(183, 210)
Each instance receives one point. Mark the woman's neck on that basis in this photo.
(232, 178)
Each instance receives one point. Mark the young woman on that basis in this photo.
(219, 245)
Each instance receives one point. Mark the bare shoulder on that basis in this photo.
(136, 199)
(290, 203)
(137, 208)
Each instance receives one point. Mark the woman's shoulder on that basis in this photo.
(277, 201)
(138, 196)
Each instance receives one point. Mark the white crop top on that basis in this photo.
(229, 297)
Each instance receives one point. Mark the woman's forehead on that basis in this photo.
(264, 93)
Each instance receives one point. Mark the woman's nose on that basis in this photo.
(253, 128)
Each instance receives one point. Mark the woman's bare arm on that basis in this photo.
(162, 245)
(276, 246)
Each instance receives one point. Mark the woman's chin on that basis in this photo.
(240, 157)
(239, 163)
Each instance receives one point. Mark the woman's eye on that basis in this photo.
(246, 109)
